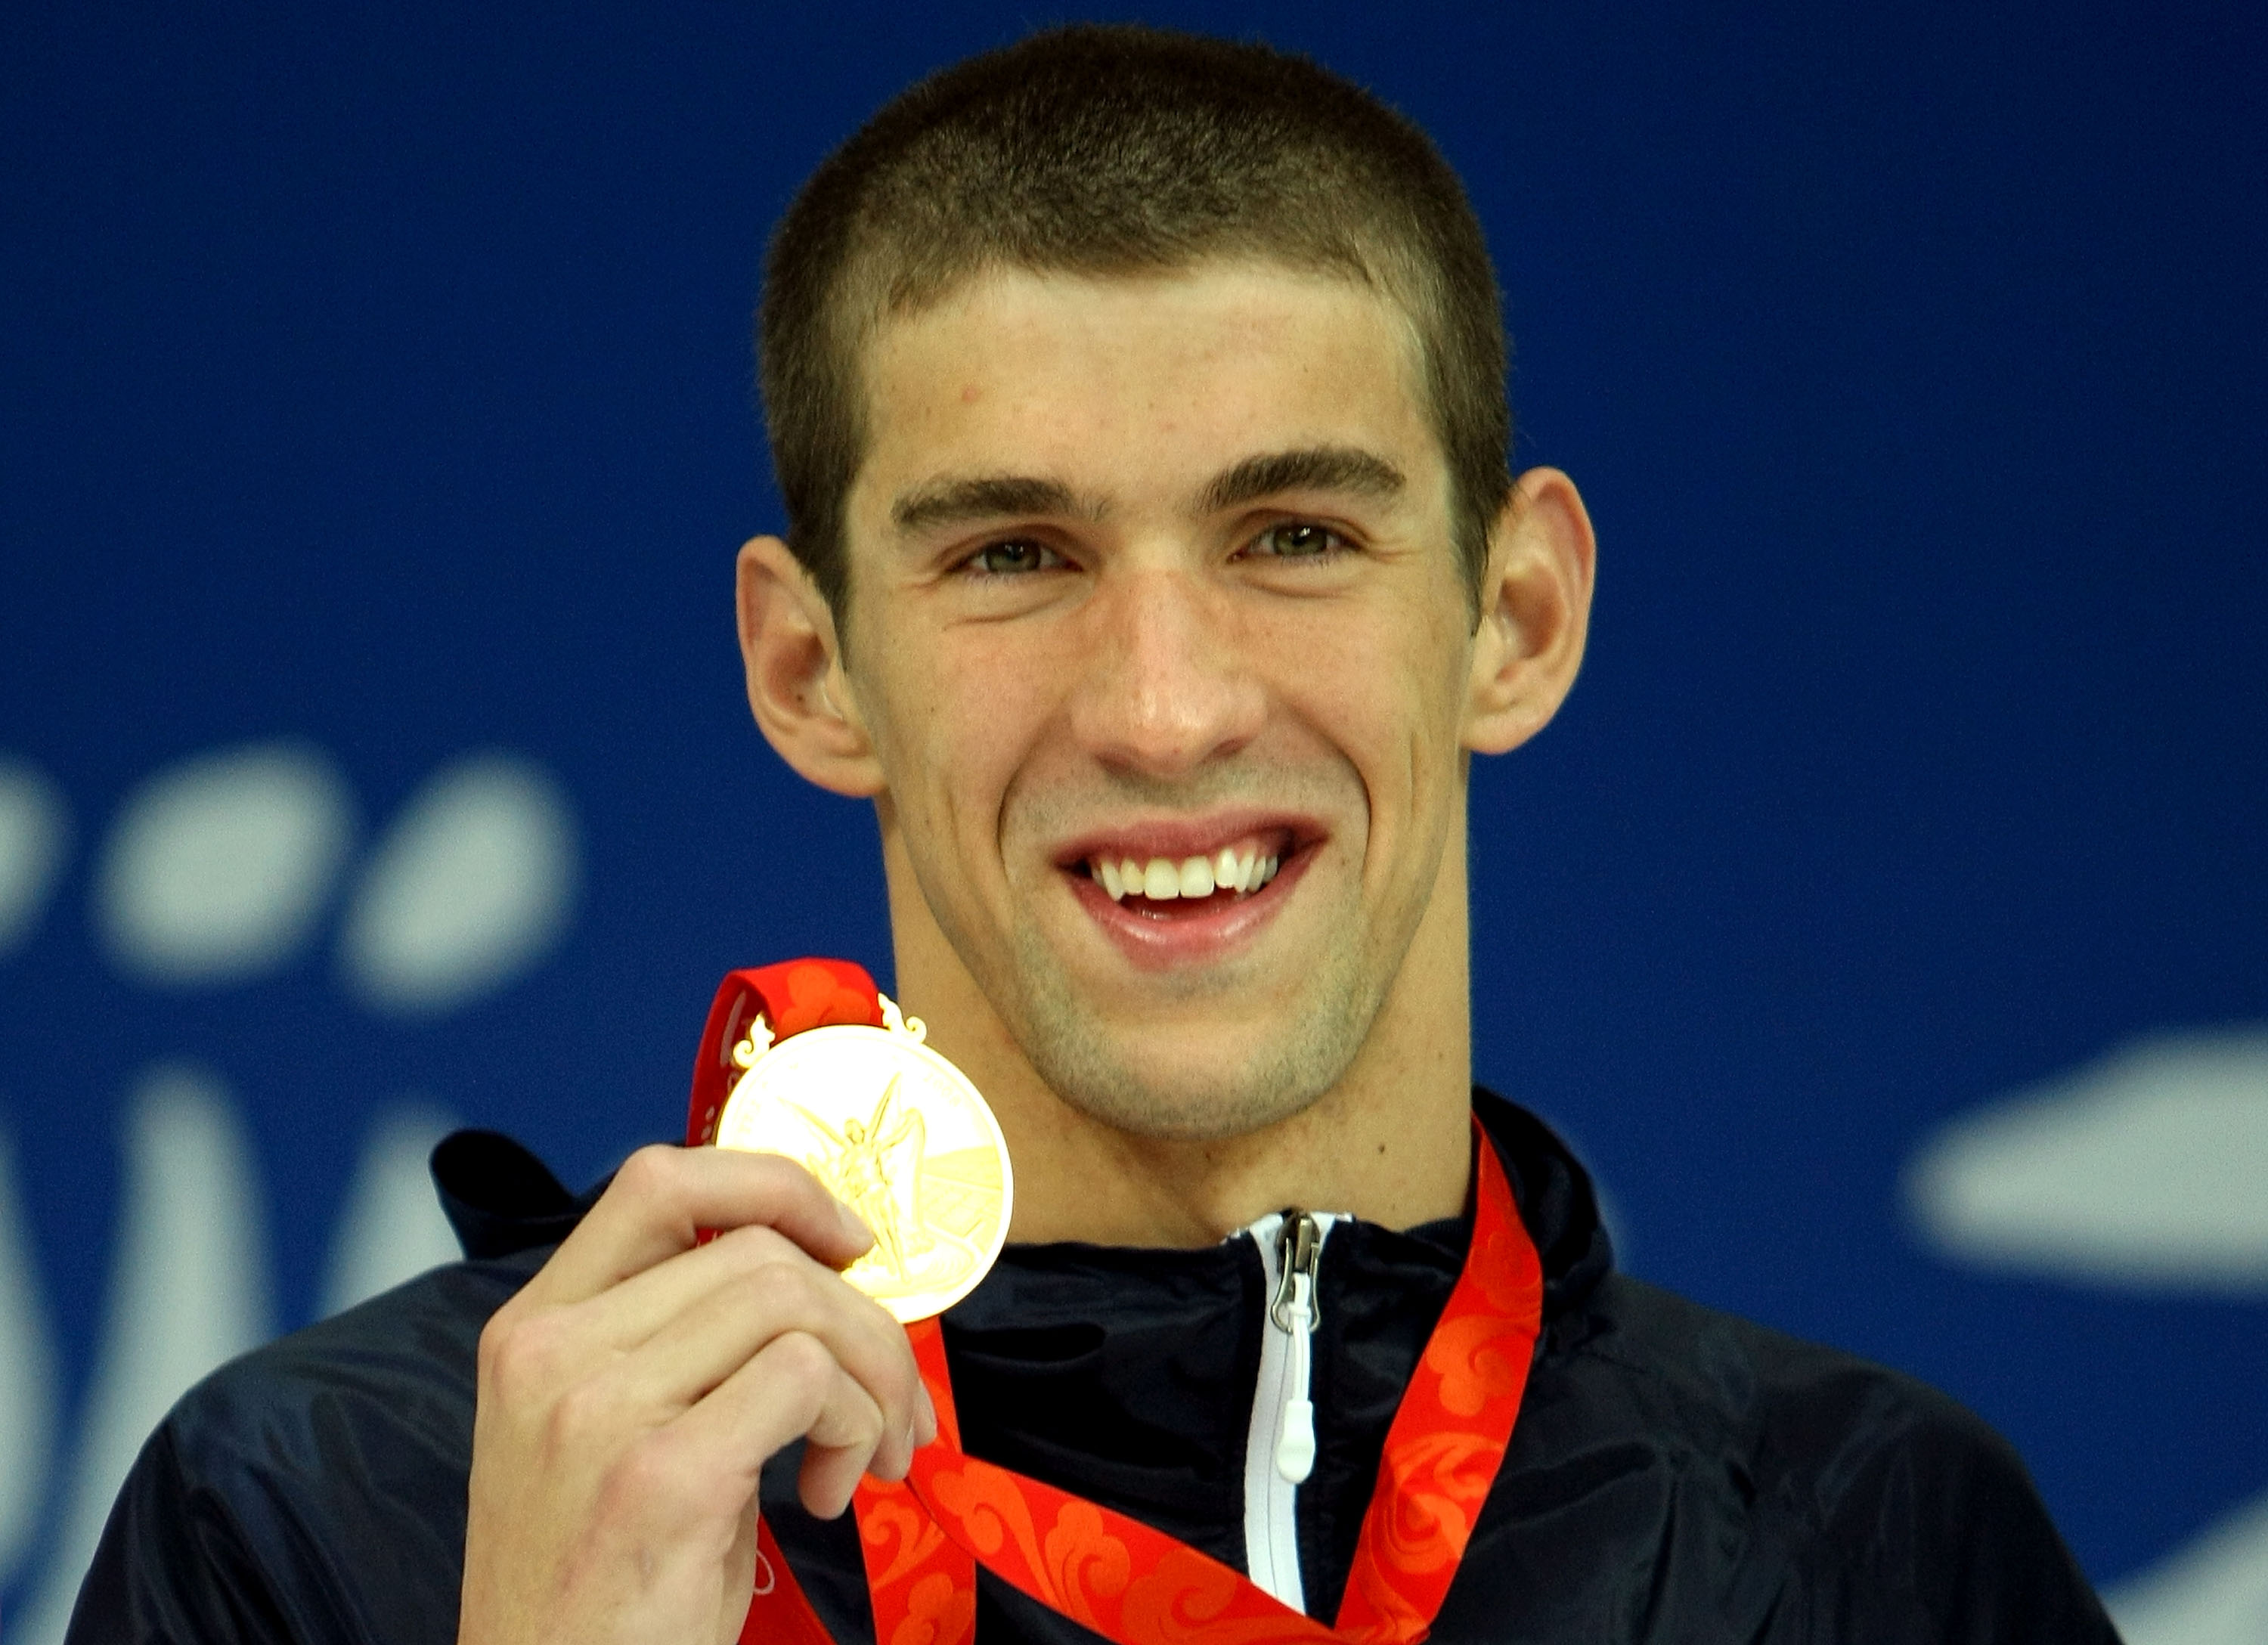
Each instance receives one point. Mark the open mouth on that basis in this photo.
(1167, 887)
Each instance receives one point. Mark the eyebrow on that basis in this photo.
(955, 502)
(985, 497)
(1309, 469)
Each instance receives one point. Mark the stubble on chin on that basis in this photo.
(1133, 1080)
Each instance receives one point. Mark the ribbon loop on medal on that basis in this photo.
(791, 997)
(808, 1060)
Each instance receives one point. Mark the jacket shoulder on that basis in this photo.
(1845, 1500)
(1801, 1416)
(405, 1357)
(312, 1489)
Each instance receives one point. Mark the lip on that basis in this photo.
(1152, 942)
(1176, 838)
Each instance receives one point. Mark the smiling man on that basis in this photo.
(1154, 566)
(1157, 661)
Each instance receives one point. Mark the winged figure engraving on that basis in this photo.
(873, 1165)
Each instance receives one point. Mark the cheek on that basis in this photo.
(1390, 696)
(959, 721)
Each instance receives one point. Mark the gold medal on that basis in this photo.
(895, 1133)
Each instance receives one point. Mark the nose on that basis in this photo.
(1169, 685)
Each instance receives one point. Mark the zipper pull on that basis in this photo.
(1298, 1251)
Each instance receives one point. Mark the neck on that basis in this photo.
(1396, 1163)
(1389, 1142)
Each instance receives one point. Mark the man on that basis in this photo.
(1154, 566)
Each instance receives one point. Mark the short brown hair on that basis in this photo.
(1112, 151)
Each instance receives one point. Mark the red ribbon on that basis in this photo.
(922, 1537)
(792, 996)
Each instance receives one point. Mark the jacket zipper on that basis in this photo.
(1280, 1442)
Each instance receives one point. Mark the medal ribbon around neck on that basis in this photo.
(924, 1537)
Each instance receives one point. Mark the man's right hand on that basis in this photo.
(632, 1390)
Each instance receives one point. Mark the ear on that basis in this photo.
(1535, 612)
(797, 688)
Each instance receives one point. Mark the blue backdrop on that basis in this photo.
(376, 430)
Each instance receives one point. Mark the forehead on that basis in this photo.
(1125, 383)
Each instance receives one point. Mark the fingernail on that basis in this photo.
(860, 1235)
(925, 1421)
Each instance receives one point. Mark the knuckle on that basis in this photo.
(580, 1420)
(491, 1348)
(519, 1356)
(848, 1418)
(659, 1478)
(804, 1360)
(776, 1290)
(645, 1475)
(649, 1173)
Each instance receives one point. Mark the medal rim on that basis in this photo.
(906, 1045)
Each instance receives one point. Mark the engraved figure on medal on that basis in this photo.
(875, 1167)
(895, 1132)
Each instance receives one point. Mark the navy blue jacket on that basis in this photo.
(1677, 1474)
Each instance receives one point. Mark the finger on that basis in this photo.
(663, 1197)
(705, 1345)
(793, 1389)
(621, 1317)
(841, 1447)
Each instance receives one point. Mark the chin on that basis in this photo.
(1160, 1112)
(1195, 1092)
(1191, 1074)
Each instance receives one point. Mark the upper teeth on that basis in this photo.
(1161, 879)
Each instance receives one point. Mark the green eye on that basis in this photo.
(1007, 559)
(1298, 541)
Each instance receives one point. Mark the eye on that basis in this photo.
(1297, 539)
(1013, 557)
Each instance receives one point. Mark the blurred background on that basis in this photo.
(1886, 918)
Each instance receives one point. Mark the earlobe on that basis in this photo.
(792, 656)
(1535, 611)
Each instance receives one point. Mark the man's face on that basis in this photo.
(1154, 591)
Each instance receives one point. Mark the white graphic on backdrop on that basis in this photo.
(2148, 1169)
(188, 1288)
(2212, 1592)
(220, 869)
(392, 1226)
(473, 879)
(28, 1376)
(35, 838)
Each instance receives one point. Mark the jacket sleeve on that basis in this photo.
(175, 1568)
(312, 1490)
